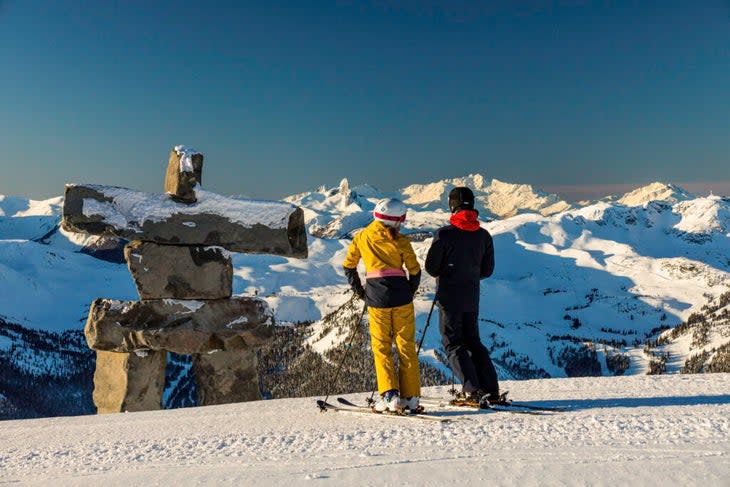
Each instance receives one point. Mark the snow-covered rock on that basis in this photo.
(237, 225)
(180, 326)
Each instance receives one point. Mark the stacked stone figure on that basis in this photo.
(179, 258)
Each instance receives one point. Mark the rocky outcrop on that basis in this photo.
(181, 272)
(237, 225)
(180, 326)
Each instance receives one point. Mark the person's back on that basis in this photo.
(462, 254)
(384, 253)
(388, 294)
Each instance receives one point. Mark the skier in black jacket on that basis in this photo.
(462, 254)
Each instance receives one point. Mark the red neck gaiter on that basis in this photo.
(466, 220)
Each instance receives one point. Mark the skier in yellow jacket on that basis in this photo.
(388, 293)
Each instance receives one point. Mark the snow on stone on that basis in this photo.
(239, 321)
(94, 207)
(186, 157)
(189, 304)
(135, 207)
(225, 253)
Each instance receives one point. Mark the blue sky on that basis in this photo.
(283, 97)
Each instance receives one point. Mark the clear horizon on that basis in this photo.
(571, 194)
(282, 98)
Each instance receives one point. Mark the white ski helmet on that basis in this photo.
(390, 211)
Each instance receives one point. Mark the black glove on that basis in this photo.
(413, 282)
(354, 279)
(359, 292)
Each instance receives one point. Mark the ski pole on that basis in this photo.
(355, 326)
(428, 321)
(452, 391)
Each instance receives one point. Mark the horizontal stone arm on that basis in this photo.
(183, 327)
(247, 226)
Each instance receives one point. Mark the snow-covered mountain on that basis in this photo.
(655, 191)
(336, 212)
(494, 198)
(592, 290)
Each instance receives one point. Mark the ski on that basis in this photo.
(503, 402)
(492, 408)
(420, 415)
(348, 407)
(452, 407)
(351, 404)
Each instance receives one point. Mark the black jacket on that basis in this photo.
(459, 259)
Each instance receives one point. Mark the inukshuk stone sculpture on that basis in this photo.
(179, 258)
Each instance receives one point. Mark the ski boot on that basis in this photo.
(412, 405)
(390, 402)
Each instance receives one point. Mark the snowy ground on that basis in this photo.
(637, 430)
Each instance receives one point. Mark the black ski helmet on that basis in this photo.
(461, 198)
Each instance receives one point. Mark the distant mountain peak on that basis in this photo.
(496, 198)
(655, 191)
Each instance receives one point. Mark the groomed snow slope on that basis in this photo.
(637, 430)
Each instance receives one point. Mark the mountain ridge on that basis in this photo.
(589, 290)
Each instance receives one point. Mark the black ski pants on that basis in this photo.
(468, 357)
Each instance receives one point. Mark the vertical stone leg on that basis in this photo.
(128, 382)
(226, 377)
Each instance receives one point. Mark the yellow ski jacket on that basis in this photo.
(384, 252)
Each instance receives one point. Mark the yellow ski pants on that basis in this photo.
(387, 325)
